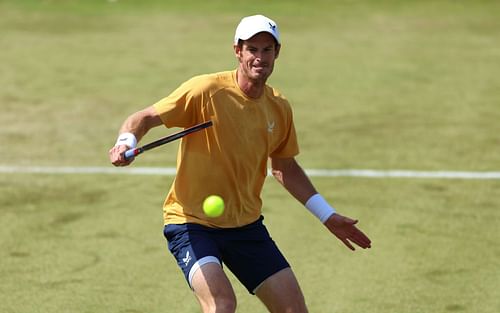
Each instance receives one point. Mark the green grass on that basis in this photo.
(383, 85)
(70, 244)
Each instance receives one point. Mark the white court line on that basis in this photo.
(403, 174)
(170, 171)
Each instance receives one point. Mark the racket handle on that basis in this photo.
(131, 153)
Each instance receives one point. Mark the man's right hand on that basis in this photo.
(116, 156)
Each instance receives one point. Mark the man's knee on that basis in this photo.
(219, 304)
(225, 305)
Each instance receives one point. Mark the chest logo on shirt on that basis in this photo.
(270, 126)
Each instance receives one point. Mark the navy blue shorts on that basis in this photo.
(248, 251)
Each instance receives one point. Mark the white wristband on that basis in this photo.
(319, 207)
(127, 139)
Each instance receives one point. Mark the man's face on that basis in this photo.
(256, 56)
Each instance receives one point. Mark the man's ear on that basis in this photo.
(237, 50)
(277, 50)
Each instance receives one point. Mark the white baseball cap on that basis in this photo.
(251, 25)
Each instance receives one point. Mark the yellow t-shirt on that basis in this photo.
(228, 159)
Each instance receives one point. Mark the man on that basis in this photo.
(252, 122)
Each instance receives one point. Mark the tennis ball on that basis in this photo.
(213, 206)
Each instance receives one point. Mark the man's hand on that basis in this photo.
(137, 124)
(116, 156)
(343, 228)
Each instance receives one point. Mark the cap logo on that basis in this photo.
(273, 27)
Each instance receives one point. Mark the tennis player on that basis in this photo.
(252, 122)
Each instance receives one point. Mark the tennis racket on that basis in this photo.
(132, 153)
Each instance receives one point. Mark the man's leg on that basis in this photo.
(281, 293)
(213, 289)
(197, 254)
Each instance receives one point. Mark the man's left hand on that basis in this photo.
(345, 230)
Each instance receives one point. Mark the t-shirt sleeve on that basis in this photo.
(182, 106)
(288, 146)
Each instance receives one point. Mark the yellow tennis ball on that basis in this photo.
(213, 206)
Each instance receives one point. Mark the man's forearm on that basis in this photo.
(294, 179)
(141, 122)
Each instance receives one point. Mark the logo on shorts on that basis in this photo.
(187, 259)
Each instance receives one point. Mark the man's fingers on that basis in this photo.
(345, 230)
(359, 238)
(348, 244)
(116, 156)
(362, 242)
